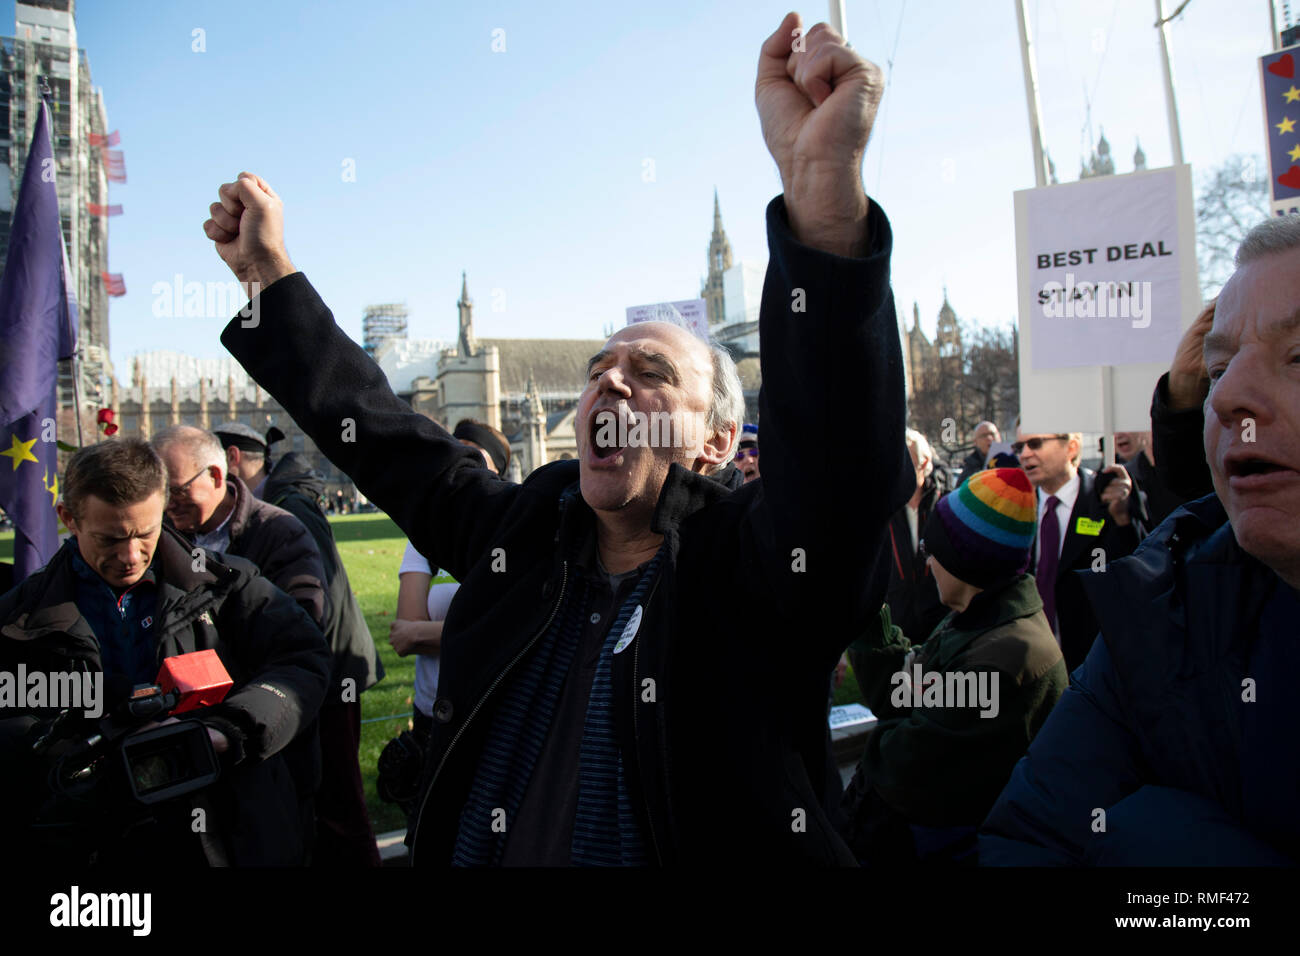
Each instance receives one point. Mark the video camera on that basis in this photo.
(116, 768)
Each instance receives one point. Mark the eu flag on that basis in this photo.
(1280, 75)
(38, 323)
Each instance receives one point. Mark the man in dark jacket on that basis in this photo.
(1175, 743)
(986, 433)
(1177, 419)
(913, 598)
(619, 765)
(343, 832)
(118, 598)
(1081, 529)
(217, 511)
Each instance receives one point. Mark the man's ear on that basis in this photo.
(1074, 450)
(66, 517)
(218, 479)
(233, 457)
(714, 451)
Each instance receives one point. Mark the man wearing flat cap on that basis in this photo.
(343, 832)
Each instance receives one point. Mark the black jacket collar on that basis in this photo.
(684, 493)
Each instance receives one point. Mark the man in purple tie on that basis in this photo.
(1079, 529)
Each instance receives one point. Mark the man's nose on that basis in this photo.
(1242, 390)
(613, 380)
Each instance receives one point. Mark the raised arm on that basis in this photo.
(830, 351)
(433, 487)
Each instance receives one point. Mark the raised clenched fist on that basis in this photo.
(247, 228)
(817, 101)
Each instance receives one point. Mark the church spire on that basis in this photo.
(465, 341)
(719, 262)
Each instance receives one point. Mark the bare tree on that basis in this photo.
(982, 384)
(991, 388)
(1233, 198)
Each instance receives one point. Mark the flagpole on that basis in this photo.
(1031, 94)
(837, 18)
(46, 94)
(1273, 37)
(1171, 104)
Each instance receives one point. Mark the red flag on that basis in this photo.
(114, 284)
(95, 209)
(114, 165)
(99, 139)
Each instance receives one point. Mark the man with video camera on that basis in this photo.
(121, 596)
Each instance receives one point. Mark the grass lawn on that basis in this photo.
(371, 547)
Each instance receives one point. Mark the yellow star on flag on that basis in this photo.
(1295, 154)
(53, 489)
(1286, 126)
(1292, 95)
(20, 451)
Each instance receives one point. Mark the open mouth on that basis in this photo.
(1248, 467)
(604, 435)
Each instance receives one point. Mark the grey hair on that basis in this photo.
(728, 405)
(1279, 234)
(202, 446)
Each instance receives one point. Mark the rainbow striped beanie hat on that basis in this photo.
(982, 532)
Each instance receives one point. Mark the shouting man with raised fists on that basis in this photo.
(578, 698)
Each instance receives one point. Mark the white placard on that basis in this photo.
(849, 715)
(690, 314)
(1107, 277)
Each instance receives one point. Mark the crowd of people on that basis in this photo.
(1066, 666)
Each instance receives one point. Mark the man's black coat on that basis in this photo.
(293, 486)
(1077, 624)
(275, 655)
(913, 596)
(723, 731)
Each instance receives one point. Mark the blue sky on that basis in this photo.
(525, 167)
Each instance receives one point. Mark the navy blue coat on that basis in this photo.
(1140, 763)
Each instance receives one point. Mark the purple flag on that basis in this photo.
(38, 322)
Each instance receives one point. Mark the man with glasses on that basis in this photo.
(986, 433)
(1078, 529)
(747, 453)
(218, 511)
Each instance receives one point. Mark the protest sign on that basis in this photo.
(1107, 279)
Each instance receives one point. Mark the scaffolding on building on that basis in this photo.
(379, 323)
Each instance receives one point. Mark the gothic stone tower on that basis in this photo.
(469, 375)
(719, 262)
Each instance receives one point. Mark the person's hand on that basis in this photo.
(1116, 495)
(816, 105)
(1189, 382)
(219, 742)
(841, 669)
(247, 227)
(404, 636)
